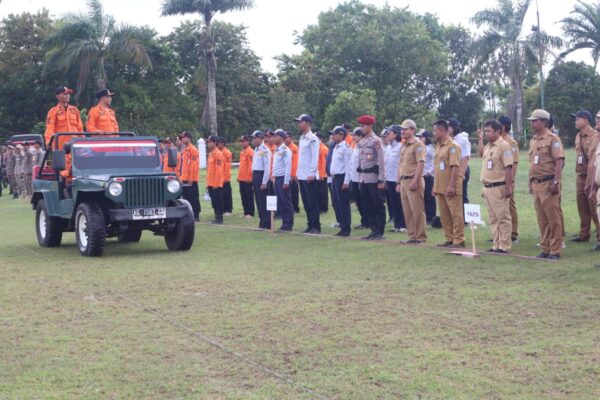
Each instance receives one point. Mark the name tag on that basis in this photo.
(490, 164)
(442, 166)
(580, 160)
(536, 160)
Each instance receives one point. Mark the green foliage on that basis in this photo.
(347, 106)
(582, 29)
(571, 87)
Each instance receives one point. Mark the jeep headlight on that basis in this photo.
(174, 186)
(115, 189)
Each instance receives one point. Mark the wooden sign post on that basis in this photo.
(272, 207)
(472, 217)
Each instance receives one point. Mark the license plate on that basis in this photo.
(149, 213)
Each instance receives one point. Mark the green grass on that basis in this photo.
(345, 318)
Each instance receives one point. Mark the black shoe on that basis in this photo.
(457, 246)
(553, 257)
(343, 234)
(492, 251)
(412, 241)
(514, 239)
(359, 227)
(500, 251)
(491, 241)
(217, 222)
(445, 244)
(543, 255)
(597, 247)
(282, 229)
(307, 230)
(369, 236)
(314, 232)
(378, 236)
(578, 239)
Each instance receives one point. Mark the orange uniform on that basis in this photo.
(245, 170)
(190, 171)
(349, 140)
(102, 119)
(294, 148)
(323, 152)
(62, 120)
(166, 168)
(216, 169)
(227, 166)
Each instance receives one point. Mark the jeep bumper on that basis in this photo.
(126, 215)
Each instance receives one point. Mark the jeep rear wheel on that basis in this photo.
(48, 229)
(90, 230)
(181, 237)
(130, 236)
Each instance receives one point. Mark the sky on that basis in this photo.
(272, 24)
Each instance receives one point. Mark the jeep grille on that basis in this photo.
(144, 192)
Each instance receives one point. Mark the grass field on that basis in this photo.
(343, 318)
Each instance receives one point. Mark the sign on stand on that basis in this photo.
(472, 217)
(272, 207)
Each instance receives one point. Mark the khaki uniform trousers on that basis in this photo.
(452, 217)
(549, 216)
(413, 205)
(22, 184)
(500, 220)
(514, 217)
(587, 211)
(29, 184)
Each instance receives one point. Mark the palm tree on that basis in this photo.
(85, 41)
(207, 9)
(582, 29)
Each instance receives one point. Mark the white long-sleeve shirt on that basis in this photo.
(262, 161)
(308, 157)
(341, 161)
(392, 160)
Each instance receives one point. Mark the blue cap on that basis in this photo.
(281, 132)
(257, 134)
(454, 123)
(338, 129)
(304, 117)
(583, 114)
(395, 128)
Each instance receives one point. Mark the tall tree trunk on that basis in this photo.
(211, 75)
(101, 81)
(518, 85)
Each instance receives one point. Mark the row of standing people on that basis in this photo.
(16, 168)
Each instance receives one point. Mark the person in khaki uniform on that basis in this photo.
(496, 177)
(447, 186)
(411, 184)
(585, 145)
(514, 146)
(546, 162)
(28, 169)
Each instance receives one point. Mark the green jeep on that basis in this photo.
(113, 187)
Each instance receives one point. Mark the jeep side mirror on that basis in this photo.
(172, 157)
(59, 160)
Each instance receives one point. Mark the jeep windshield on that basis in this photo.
(120, 154)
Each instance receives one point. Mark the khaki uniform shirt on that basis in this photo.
(19, 161)
(411, 154)
(11, 164)
(585, 145)
(447, 155)
(497, 156)
(543, 154)
(370, 153)
(514, 146)
(27, 163)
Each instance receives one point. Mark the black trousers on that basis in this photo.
(394, 204)
(295, 195)
(335, 210)
(217, 200)
(323, 196)
(191, 193)
(261, 200)
(374, 202)
(341, 203)
(247, 196)
(227, 198)
(430, 204)
(309, 191)
(359, 204)
(466, 185)
(284, 203)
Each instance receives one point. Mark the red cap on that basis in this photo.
(366, 120)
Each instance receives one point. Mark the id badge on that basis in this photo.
(536, 159)
(442, 166)
(490, 164)
(580, 160)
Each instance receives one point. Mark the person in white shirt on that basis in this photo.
(340, 168)
(392, 161)
(308, 174)
(428, 175)
(357, 134)
(462, 139)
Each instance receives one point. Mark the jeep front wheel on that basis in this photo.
(90, 230)
(48, 229)
(181, 237)
(130, 236)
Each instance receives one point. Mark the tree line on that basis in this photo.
(357, 58)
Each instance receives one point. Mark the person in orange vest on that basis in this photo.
(215, 177)
(102, 118)
(227, 194)
(190, 173)
(62, 118)
(322, 183)
(245, 177)
(349, 140)
(289, 142)
(165, 161)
